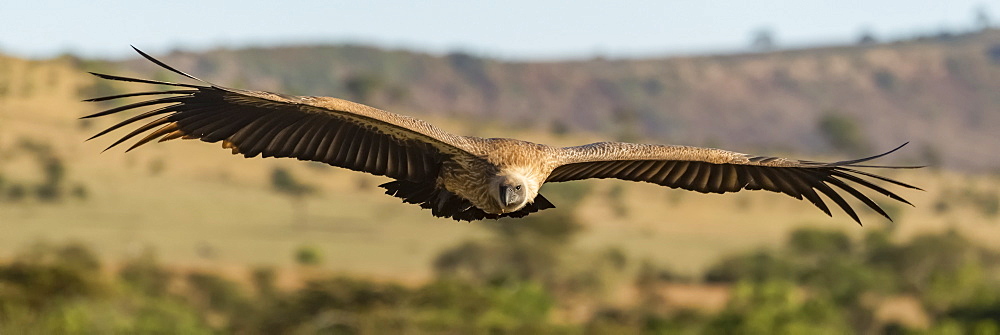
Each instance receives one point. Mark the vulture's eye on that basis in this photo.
(518, 187)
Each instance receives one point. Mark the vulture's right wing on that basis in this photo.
(334, 131)
(719, 171)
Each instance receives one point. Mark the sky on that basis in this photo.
(512, 29)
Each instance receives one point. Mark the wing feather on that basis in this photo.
(674, 175)
(361, 157)
(252, 123)
(730, 179)
(664, 170)
(715, 178)
(690, 175)
(719, 171)
(315, 141)
(782, 181)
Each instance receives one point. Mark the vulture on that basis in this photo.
(463, 177)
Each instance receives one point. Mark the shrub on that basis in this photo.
(216, 292)
(308, 256)
(145, 274)
(263, 279)
(363, 87)
(80, 192)
(884, 79)
(772, 307)
(757, 266)
(284, 182)
(819, 242)
(15, 192)
(551, 227)
(842, 132)
(45, 274)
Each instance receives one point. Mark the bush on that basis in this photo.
(819, 243)
(500, 262)
(757, 266)
(819, 282)
(283, 181)
(125, 315)
(80, 192)
(48, 192)
(308, 256)
(46, 274)
(773, 307)
(843, 133)
(884, 79)
(334, 305)
(363, 87)
(617, 201)
(146, 275)
(548, 228)
(263, 279)
(215, 292)
(54, 185)
(15, 192)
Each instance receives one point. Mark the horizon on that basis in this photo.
(45, 29)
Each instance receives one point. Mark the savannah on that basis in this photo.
(183, 237)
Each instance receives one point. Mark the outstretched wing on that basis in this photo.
(334, 131)
(718, 171)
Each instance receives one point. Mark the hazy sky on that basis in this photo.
(510, 29)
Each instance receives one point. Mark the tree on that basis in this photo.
(982, 17)
(867, 37)
(308, 256)
(55, 172)
(282, 181)
(843, 133)
(363, 87)
(763, 39)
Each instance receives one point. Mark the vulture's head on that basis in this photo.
(512, 191)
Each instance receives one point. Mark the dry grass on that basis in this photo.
(206, 208)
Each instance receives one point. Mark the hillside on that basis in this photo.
(193, 238)
(939, 93)
(198, 206)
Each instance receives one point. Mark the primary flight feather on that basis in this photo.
(464, 177)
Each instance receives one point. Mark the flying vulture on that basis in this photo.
(464, 177)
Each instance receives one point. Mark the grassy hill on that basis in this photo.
(200, 207)
(940, 93)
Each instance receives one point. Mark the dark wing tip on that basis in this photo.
(101, 75)
(890, 180)
(164, 65)
(859, 160)
(888, 166)
(145, 81)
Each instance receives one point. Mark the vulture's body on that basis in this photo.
(463, 177)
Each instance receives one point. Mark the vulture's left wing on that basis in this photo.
(334, 131)
(719, 171)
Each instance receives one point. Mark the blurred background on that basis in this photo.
(183, 237)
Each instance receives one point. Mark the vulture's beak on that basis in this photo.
(504, 196)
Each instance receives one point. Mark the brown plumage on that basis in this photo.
(464, 177)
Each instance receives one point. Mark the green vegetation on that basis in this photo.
(517, 281)
(945, 272)
(61, 289)
(362, 88)
(284, 182)
(54, 185)
(570, 270)
(984, 201)
(843, 133)
(308, 255)
(884, 80)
